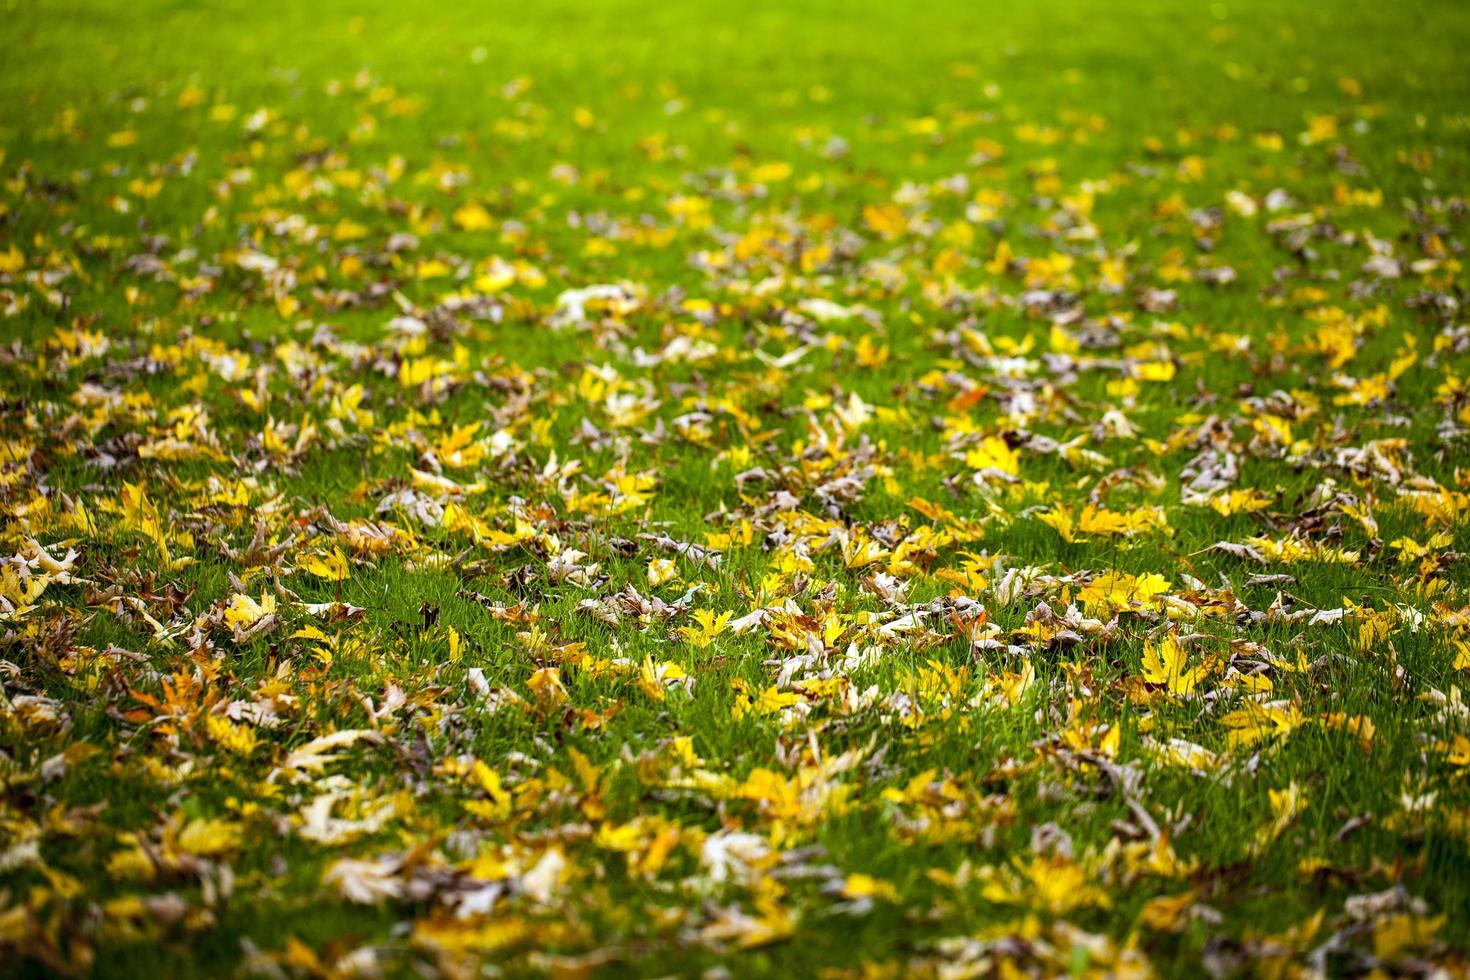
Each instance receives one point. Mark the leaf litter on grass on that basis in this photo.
(991, 559)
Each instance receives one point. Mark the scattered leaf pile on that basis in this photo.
(916, 534)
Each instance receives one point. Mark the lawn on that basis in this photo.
(807, 489)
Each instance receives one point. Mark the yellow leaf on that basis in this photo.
(885, 219)
(1164, 665)
(546, 685)
(332, 567)
(859, 885)
(209, 837)
(473, 217)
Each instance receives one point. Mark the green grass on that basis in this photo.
(748, 160)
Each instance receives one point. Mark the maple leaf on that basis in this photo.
(992, 453)
(708, 626)
(334, 566)
(1164, 665)
(244, 612)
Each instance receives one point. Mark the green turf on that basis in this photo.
(205, 228)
